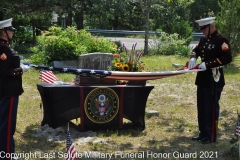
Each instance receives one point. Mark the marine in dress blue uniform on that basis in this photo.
(10, 88)
(214, 51)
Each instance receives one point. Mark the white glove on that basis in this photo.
(192, 62)
(202, 66)
(25, 68)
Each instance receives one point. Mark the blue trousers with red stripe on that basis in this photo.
(208, 112)
(8, 118)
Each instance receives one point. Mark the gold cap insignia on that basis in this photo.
(225, 47)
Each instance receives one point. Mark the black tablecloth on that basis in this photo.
(62, 103)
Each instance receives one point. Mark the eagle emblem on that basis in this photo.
(102, 104)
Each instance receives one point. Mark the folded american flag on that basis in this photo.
(47, 76)
(117, 74)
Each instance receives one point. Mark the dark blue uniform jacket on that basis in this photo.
(10, 71)
(215, 51)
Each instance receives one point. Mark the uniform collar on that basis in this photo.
(2, 41)
(215, 33)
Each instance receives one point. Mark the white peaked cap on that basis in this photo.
(205, 21)
(6, 24)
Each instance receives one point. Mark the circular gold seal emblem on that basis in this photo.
(101, 105)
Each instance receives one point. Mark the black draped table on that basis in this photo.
(98, 107)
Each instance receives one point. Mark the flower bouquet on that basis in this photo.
(126, 61)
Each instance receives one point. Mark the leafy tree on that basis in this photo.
(174, 18)
(115, 14)
(201, 9)
(26, 13)
(228, 24)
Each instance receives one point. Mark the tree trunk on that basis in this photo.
(115, 24)
(34, 34)
(69, 17)
(147, 10)
(79, 20)
(1, 16)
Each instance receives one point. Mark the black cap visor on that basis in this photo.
(11, 28)
(203, 27)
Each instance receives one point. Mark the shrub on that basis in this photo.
(169, 44)
(68, 44)
(182, 28)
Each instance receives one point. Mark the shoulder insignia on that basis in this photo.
(225, 47)
(3, 57)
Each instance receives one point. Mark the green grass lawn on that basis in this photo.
(165, 137)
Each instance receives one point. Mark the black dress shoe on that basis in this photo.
(196, 138)
(205, 141)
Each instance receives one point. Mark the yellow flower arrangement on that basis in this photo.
(127, 61)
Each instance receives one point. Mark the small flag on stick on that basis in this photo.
(70, 149)
(47, 76)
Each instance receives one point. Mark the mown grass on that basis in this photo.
(175, 100)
